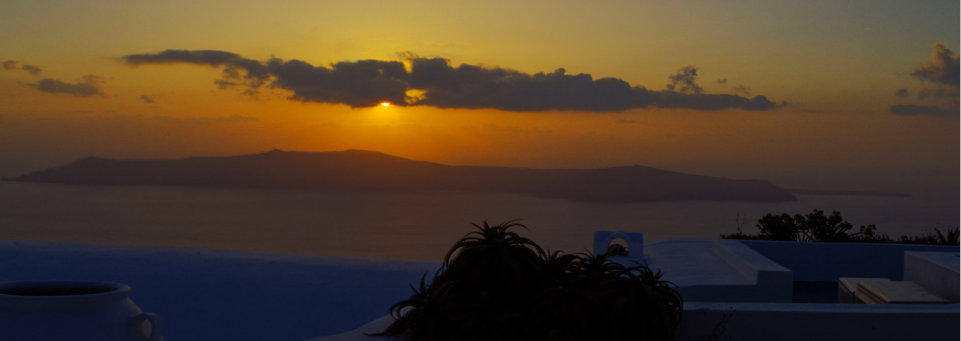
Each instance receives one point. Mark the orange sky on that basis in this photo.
(837, 67)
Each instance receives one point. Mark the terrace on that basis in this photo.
(752, 289)
(762, 290)
(732, 289)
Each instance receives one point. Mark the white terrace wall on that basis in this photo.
(825, 262)
(936, 272)
(822, 322)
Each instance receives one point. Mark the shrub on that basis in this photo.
(497, 285)
(777, 227)
(816, 227)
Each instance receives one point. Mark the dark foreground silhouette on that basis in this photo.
(495, 284)
(365, 170)
(817, 227)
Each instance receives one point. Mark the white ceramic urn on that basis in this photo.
(71, 310)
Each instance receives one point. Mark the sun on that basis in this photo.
(385, 104)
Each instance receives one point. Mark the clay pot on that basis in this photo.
(72, 310)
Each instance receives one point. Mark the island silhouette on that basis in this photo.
(360, 170)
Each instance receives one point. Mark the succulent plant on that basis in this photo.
(497, 285)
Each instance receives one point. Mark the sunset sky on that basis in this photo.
(815, 94)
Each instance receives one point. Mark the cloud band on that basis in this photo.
(366, 83)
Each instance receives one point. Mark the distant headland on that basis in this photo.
(358, 170)
(800, 191)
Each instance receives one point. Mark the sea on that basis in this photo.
(400, 225)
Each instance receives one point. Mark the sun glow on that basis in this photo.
(385, 104)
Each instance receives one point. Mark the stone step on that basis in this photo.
(883, 291)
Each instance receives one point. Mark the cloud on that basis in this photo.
(11, 65)
(89, 85)
(471, 86)
(362, 83)
(147, 99)
(203, 57)
(668, 99)
(941, 67)
(438, 83)
(939, 95)
(685, 80)
(32, 69)
(742, 90)
(722, 81)
(925, 110)
(237, 70)
(475, 87)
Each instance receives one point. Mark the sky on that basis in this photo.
(814, 94)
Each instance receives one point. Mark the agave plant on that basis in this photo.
(558, 267)
(643, 304)
(496, 260)
(635, 302)
(567, 313)
(497, 285)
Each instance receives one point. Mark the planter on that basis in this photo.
(70, 310)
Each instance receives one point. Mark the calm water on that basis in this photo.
(393, 225)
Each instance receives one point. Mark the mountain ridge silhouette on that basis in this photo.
(352, 170)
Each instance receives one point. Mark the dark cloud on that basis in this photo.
(237, 70)
(926, 110)
(203, 57)
(90, 85)
(362, 83)
(685, 80)
(147, 99)
(11, 65)
(742, 90)
(941, 68)
(438, 83)
(939, 95)
(471, 86)
(668, 99)
(32, 69)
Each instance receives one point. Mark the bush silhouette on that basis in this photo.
(777, 227)
(817, 227)
(497, 285)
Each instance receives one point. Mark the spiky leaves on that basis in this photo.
(496, 284)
